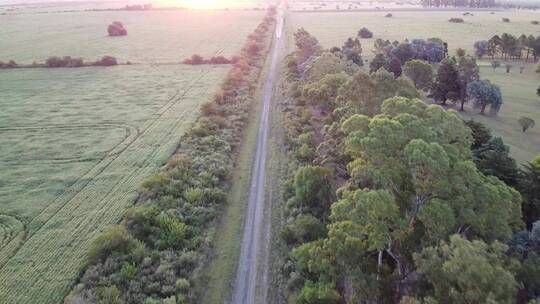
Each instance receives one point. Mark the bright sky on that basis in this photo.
(197, 4)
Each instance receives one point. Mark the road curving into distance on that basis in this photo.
(250, 269)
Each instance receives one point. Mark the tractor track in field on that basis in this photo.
(252, 265)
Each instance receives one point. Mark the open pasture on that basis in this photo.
(520, 99)
(417, 24)
(153, 36)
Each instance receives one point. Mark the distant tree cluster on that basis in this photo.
(393, 55)
(508, 46)
(62, 62)
(116, 29)
(198, 60)
(456, 20)
(8, 65)
(459, 3)
(70, 62)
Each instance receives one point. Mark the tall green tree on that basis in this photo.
(412, 184)
(529, 187)
(484, 94)
(420, 73)
(306, 45)
(446, 85)
(463, 271)
(468, 72)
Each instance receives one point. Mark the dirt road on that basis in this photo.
(250, 268)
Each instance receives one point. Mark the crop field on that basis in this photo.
(519, 90)
(76, 143)
(153, 36)
(482, 26)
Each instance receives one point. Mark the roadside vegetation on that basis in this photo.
(391, 199)
(155, 255)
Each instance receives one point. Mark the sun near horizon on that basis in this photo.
(205, 4)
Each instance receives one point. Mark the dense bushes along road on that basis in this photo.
(156, 253)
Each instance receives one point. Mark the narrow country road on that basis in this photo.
(249, 269)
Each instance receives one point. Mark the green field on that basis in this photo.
(519, 90)
(411, 25)
(519, 95)
(76, 143)
(153, 36)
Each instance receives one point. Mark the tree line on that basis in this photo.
(460, 3)
(391, 200)
(508, 46)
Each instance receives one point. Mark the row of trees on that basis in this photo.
(62, 62)
(198, 60)
(508, 46)
(396, 201)
(459, 3)
(152, 256)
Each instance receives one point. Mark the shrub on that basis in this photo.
(109, 295)
(535, 22)
(64, 62)
(182, 285)
(194, 60)
(389, 15)
(106, 61)
(495, 64)
(365, 33)
(508, 67)
(526, 123)
(114, 241)
(505, 20)
(8, 65)
(456, 20)
(116, 29)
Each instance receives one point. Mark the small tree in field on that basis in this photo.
(419, 72)
(365, 33)
(495, 64)
(116, 29)
(526, 123)
(508, 67)
(480, 48)
(485, 94)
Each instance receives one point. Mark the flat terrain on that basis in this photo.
(519, 90)
(153, 36)
(76, 143)
(519, 95)
(482, 26)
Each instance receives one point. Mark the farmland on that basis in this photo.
(407, 25)
(519, 90)
(76, 143)
(153, 36)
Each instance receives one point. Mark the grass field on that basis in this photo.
(153, 36)
(411, 25)
(519, 90)
(519, 94)
(76, 143)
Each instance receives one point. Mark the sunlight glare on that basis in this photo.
(205, 4)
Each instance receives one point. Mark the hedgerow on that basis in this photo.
(157, 252)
